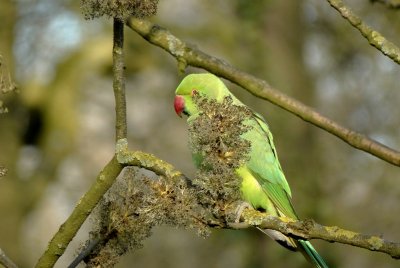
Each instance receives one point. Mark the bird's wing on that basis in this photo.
(264, 165)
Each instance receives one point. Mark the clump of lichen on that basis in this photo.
(218, 149)
(135, 204)
(120, 9)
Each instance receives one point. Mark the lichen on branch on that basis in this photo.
(137, 202)
(119, 9)
(309, 229)
(218, 150)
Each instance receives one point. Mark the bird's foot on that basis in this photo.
(239, 210)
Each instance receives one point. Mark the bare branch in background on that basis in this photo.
(192, 56)
(374, 37)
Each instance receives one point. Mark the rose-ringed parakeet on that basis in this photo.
(263, 184)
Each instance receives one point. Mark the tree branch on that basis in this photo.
(6, 261)
(191, 56)
(145, 160)
(374, 37)
(309, 229)
(84, 207)
(119, 80)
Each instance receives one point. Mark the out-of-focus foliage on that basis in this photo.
(59, 129)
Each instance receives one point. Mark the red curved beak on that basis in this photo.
(179, 105)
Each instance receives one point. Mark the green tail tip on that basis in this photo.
(312, 254)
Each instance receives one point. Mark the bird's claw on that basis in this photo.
(239, 210)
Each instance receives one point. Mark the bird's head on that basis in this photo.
(205, 85)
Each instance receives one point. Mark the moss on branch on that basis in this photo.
(309, 229)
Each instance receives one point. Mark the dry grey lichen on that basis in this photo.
(216, 143)
(120, 9)
(135, 204)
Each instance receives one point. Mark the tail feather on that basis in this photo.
(311, 254)
(303, 246)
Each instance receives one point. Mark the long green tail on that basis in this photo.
(311, 254)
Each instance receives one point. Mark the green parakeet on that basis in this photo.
(263, 184)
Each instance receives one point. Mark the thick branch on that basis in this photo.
(192, 56)
(309, 229)
(145, 160)
(119, 80)
(374, 37)
(84, 207)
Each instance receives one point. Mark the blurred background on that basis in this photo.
(59, 131)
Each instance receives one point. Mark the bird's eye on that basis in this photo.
(194, 92)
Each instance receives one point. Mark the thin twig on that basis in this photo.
(119, 80)
(309, 229)
(6, 261)
(374, 37)
(195, 57)
(84, 207)
(84, 253)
